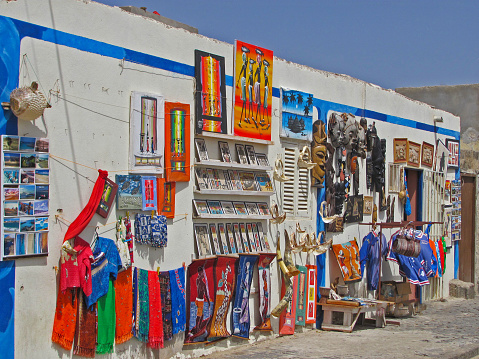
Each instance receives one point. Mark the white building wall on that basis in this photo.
(88, 128)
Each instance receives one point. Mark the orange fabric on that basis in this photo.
(155, 333)
(347, 255)
(123, 306)
(65, 318)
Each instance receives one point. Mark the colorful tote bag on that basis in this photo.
(301, 296)
(311, 293)
(244, 277)
(264, 279)
(287, 318)
(347, 255)
(224, 289)
(200, 300)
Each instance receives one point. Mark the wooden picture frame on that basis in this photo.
(200, 207)
(166, 197)
(177, 142)
(354, 209)
(241, 154)
(367, 205)
(413, 154)
(202, 239)
(225, 151)
(250, 154)
(201, 149)
(452, 146)
(400, 150)
(106, 201)
(427, 154)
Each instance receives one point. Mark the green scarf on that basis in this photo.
(106, 321)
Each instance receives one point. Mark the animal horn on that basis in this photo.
(288, 258)
(288, 295)
(279, 258)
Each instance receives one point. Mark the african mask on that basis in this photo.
(350, 137)
(336, 129)
(319, 156)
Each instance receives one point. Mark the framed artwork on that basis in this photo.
(166, 197)
(27, 176)
(453, 148)
(240, 208)
(11, 176)
(42, 176)
(27, 144)
(447, 191)
(251, 239)
(354, 209)
(368, 205)
(177, 142)
(202, 178)
(250, 154)
(10, 208)
(400, 150)
(215, 207)
(201, 149)
(241, 154)
(244, 238)
(228, 207)
(427, 154)
(296, 115)
(41, 192)
(413, 153)
(222, 238)
(11, 159)
(231, 238)
(263, 208)
(28, 160)
(252, 109)
(202, 239)
(106, 200)
(252, 208)
(239, 241)
(441, 158)
(214, 182)
(200, 207)
(40, 208)
(262, 159)
(42, 160)
(129, 192)
(210, 96)
(42, 145)
(448, 225)
(248, 181)
(27, 192)
(149, 193)
(9, 244)
(11, 193)
(26, 208)
(147, 133)
(215, 239)
(264, 182)
(11, 143)
(225, 151)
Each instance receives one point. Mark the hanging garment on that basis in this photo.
(370, 257)
(65, 318)
(155, 332)
(437, 253)
(85, 331)
(264, 279)
(178, 299)
(165, 291)
(443, 254)
(123, 306)
(75, 266)
(347, 255)
(141, 306)
(106, 321)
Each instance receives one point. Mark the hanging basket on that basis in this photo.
(28, 103)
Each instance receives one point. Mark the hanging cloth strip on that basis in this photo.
(155, 332)
(142, 318)
(264, 278)
(85, 332)
(311, 295)
(129, 236)
(165, 290)
(65, 318)
(178, 299)
(106, 321)
(301, 296)
(123, 306)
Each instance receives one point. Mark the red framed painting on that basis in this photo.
(166, 197)
(177, 142)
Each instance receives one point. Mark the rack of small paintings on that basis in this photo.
(456, 210)
(25, 196)
(230, 209)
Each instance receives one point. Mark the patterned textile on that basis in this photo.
(311, 294)
(141, 305)
(244, 277)
(65, 318)
(75, 266)
(347, 255)
(301, 296)
(151, 230)
(287, 318)
(166, 304)
(178, 299)
(264, 279)
(142, 228)
(129, 236)
(224, 285)
(155, 333)
(105, 266)
(85, 332)
(123, 306)
(200, 302)
(106, 321)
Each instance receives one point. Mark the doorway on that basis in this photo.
(468, 225)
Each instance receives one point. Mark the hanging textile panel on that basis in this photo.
(287, 318)
(155, 331)
(141, 305)
(200, 301)
(264, 279)
(244, 277)
(347, 255)
(65, 318)
(177, 142)
(166, 304)
(166, 197)
(210, 93)
(301, 296)
(311, 293)
(123, 306)
(178, 299)
(224, 287)
(149, 196)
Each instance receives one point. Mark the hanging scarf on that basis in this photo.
(75, 266)
(158, 231)
(142, 312)
(106, 321)
(85, 332)
(347, 255)
(79, 224)
(129, 236)
(65, 318)
(164, 278)
(123, 306)
(178, 298)
(155, 333)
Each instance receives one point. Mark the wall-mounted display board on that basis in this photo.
(25, 196)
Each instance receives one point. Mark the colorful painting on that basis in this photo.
(10, 208)
(287, 319)
(106, 200)
(347, 255)
(210, 93)
(311, 293)
(11, 159)
(200, 301)
(129, 192)
(296, 115)
(149, 193)
(11, 176)
(27, 144)
(224, 287)
(147, 133)
(252, 91)
(177, 142)
(264, 280)
(244, 277)
(10, 143)
(453, 148)
(166, 198)
(301, 296)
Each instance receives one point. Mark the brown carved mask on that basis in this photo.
(319, 157)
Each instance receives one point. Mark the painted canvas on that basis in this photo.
(244, 277)
(252, 91)
(296, 114)
(129, 192)
(264, 281)
(149, 193)
(210, 93)
(311, 293)
(166, 197)
(177, 142)
(453, 148)
(347, 255)
(147, 133)
(200, 300)
(106, 201)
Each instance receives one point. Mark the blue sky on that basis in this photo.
(389, 43)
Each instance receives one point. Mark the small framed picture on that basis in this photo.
(260, 245)
(240, 152)
(413, 153)
(252, 208)
(222, 238)
(202, 239)
(10, 208)
(231, 238)
(250, 154)
(248, 181)
(215, 207)
(11, 143)
(255, 245)
(400, 150)
(367, 205)
(427, 155)
(239, 241)
(106, 201)
(28, 160)
(11, 159)
(200, 207)
(225, 151)
(214, 237)
(228, 207)
(453, 147)
(262, 159)
(27, 144)
(240, 208)
(263, 208)
(11, 176)
(201, 149)
(202, 178)
(244, 238)
(263, 238)
(264, 182)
